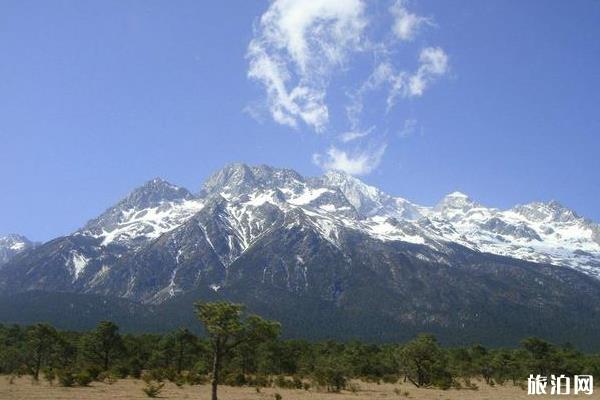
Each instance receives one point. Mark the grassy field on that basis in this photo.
(23, 388)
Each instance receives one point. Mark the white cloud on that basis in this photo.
(409, 128)
(434, 63)
(406, 24)
(361, 162)
(298, 46)
(295, 48)
(355, 134)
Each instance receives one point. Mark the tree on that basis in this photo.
(41, 339)
(227, 329)
(424, 362)
(541, 354)
(103, 345)
(185, 343)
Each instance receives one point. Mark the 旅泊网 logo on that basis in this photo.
(560, 385)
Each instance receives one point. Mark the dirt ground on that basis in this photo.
(23, 388)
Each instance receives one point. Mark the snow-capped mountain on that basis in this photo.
(145, 214)
(11, 245)
(247, 201)
(262, 234)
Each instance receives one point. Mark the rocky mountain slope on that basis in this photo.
(11, 245)
(382, 266)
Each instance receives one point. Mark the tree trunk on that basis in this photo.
(105, 361)
(215, 372)
(180, 360)
(38, 366)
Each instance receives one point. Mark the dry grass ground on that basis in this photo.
(22, 388)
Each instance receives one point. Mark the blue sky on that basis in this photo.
(498, 99)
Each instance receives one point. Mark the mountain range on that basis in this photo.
(330, 256)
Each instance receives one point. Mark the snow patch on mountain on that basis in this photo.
(77, 264)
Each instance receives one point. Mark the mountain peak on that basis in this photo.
(366, 199)
(456, 200)
(547, 211)
(457, 194)
(151, 194)
(14, 239)
(454, 205)
(154, 192)
(12, 244)
(240, 178)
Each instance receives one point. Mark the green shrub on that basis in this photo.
(153, 375)
(65, 377)
(106, 377)
(331, 378)
(235, 379)
(282, 382)
(353, 387)
(277, 396)
(120, 371)
(93, 372)
(298, 384)
(153, 389)
(178, 380)
(195, 378)
(259, 381)
(135, 368)
(83, 378)
(49, 375)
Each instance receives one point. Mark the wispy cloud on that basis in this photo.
(433, 63)
(296, 46)
(360, 162)
(406, 24)
(409, 128)
(355, 134)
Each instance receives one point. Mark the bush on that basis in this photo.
(277, 396)
(331, 378)
(390, 378)
(106, 377)
(178, 380)
(470, 385)
(282, 382)
(83, 378)
(259, 381)
(298, 384)
(371, 379)
(353, 387)
(49, 375)
(65, 377)
(170, 374)
(201, 368)
(235, 379)
(195, 378)
(153, 375)
(120, 371)
(153, 389)
(93, 372)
